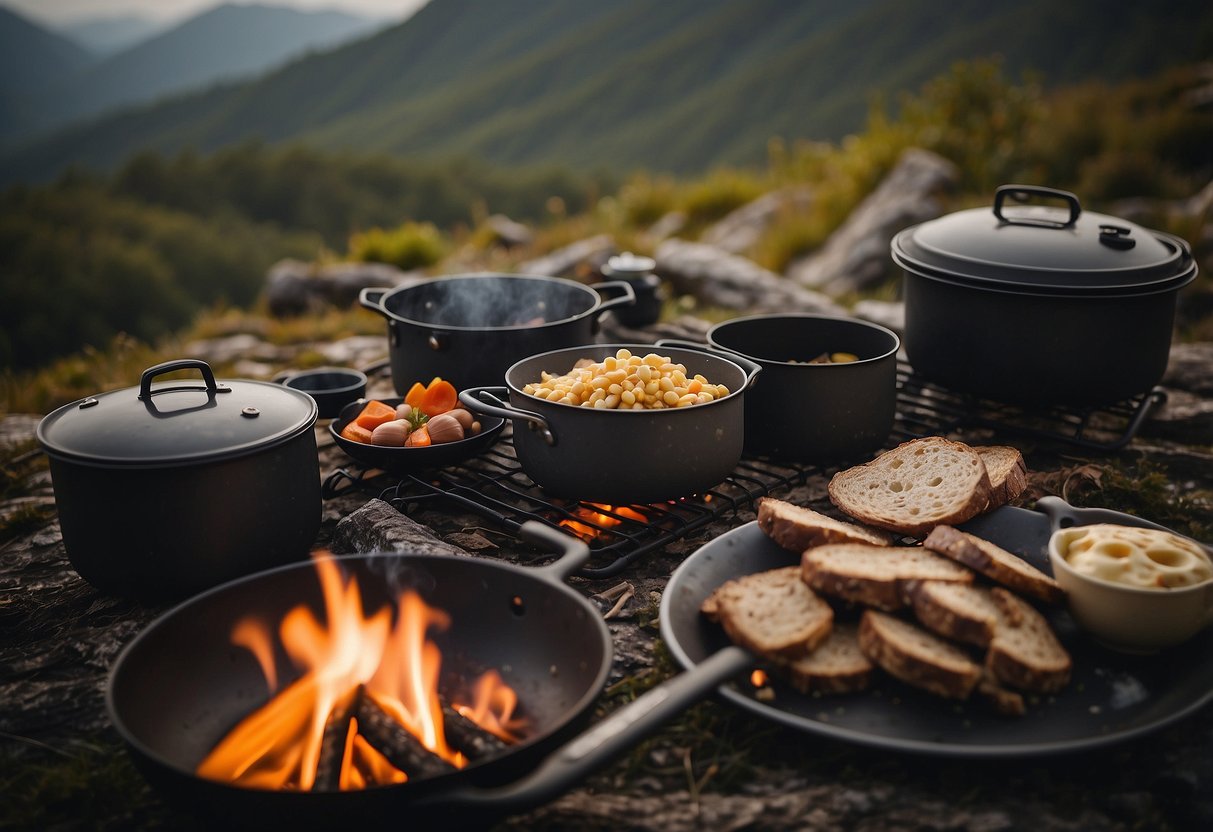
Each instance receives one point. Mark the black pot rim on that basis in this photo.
(962, 281)
(596, 302)
(805, 316)
(663, 413)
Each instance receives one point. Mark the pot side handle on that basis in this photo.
(627, 297)
(573, 552)
(372, 299)
(605, 741)
(749, 367)
(1022, 193)
(488, 400)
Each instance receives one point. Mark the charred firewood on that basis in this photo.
(333, 742)
(467, 737)
(393, 741)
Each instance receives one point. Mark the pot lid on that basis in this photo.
(630, 265)
(177, 422)
(1044, 248)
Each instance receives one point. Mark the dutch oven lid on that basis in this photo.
(177, 422)
(1044, 248)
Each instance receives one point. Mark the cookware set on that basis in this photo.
(209, 489)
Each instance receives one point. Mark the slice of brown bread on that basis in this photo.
(1027, 656)
(962, 612)
(914, 487)
(837, 665)
(875, 576)
(797, 528)
(774, 613)
(1007, 471)
(995, 563)
(1002, 699)
(917, 657)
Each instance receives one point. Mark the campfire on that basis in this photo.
(366, 709)
(590, 518)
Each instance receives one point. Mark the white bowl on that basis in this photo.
(1132, 619)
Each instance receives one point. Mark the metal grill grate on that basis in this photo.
(493, 485)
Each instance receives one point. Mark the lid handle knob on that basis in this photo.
(145, 383)
(1022, 193)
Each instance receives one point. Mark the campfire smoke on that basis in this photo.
(366, 709)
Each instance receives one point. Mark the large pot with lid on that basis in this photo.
(168, 488)
(469, 329)
(1040, 304)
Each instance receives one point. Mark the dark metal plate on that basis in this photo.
(1111, 698)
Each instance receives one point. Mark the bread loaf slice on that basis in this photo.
(1028, 655)
(774, 613)
(957, 611)
(917, 657)
(1002, 699)
(875, 576)
(914, 487)
(837, 665)
(1007, 471)
(995, 563)
(796, 528)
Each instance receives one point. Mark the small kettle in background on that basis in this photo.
(637, 271)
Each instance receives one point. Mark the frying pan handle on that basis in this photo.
(488, 400)
(749, 367)
(574, 554)
(605, 741)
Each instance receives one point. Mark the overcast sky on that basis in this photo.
(59, 11)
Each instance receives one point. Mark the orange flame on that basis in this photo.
(278, 746)
(594, 513)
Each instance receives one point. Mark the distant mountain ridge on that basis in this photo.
(220, 45)
(32, 56)
(105, 36)
(620, 84)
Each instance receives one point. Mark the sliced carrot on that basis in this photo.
(374, 414)
(439, 397)
(416, 392)
(419, 438)
(356, 433)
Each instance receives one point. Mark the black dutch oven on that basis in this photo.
(166, 489)
(1039, 304)
(623, 456)
(469, 329)
(818, 413)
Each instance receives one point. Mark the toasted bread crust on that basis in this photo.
(1007, 471)
(797, 528)
(875, 576)
(995, 563)
(774, 614)
(837, 665)
(914, 487)
(961, 612)
(917, 657)
(1027, 656)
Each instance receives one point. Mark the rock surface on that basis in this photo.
(716, 767)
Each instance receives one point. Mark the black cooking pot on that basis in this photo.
(1040, 305)
(817, 413)
(623, 456)
(166, 489)
(469, 329)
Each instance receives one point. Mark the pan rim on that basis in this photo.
(423, 787)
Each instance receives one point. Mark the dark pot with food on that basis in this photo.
(828, 390)
(169, 488)
(469, 329)
(611, 450)
(1039, 304)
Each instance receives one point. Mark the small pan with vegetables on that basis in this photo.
(424, 429)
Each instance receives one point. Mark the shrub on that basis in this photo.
(413, 245)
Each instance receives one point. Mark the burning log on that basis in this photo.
(333, 743)
(468, 738)
(394, 742)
